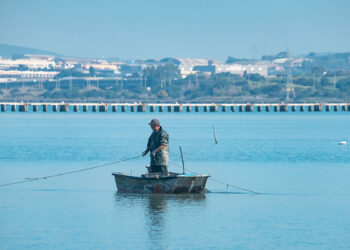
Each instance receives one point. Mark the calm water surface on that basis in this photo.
(294, 160)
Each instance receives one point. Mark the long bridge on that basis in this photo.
(171, 107)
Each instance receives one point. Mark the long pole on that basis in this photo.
(182, 158)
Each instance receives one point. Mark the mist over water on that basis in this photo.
(293, 159)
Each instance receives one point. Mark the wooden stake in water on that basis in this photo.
(216, 141)
(182, 158)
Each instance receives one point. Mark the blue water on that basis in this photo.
(293, 159)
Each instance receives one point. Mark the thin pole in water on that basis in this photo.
(182, 158)
(216, 141)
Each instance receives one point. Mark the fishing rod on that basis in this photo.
(221, 182)
(66, 173)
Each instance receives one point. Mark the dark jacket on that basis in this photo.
(156, 139)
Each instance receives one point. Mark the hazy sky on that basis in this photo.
(177, 28)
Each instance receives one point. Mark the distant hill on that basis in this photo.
(6, 51)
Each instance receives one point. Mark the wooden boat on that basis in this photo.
(160, 183)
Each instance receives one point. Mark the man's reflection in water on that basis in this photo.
(156, 214)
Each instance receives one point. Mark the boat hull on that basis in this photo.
(161, 184)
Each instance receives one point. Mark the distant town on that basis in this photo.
(315, 77)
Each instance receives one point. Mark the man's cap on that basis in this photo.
(155, 122)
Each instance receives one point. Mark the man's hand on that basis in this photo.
(144, 153)
(153, 153)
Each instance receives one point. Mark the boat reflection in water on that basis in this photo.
(157, 209)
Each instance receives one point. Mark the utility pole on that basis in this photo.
(289, 84)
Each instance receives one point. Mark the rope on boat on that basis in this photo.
(66, 173)
(221, 182)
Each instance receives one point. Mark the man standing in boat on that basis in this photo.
(158, 145)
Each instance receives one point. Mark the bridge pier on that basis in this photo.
(151, 108)
(64, 108)
(188, 108)
(318, 108)
(232, 108)
(85, 108)
(328, 108)
(44, 108)
(178, 108)
(301, 108)
(160, 108)
(259, 108)
(223, 108)
(213, 108)
(3, 108)
(35, 108)
(132, 108)
(94, 108)
(123, 108)
(267, 108)
(294, 108)
(54, 108)
(114, 108)
(141, 108)
(170, 108)
(240, 108)
(275, 108)
(205, 108)
(196, 108)
(13, 108)
(283, 108)
(76, 108)
(343, 108)
(309, 108)
(23, 108)
(249, 108)
(103, 108)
